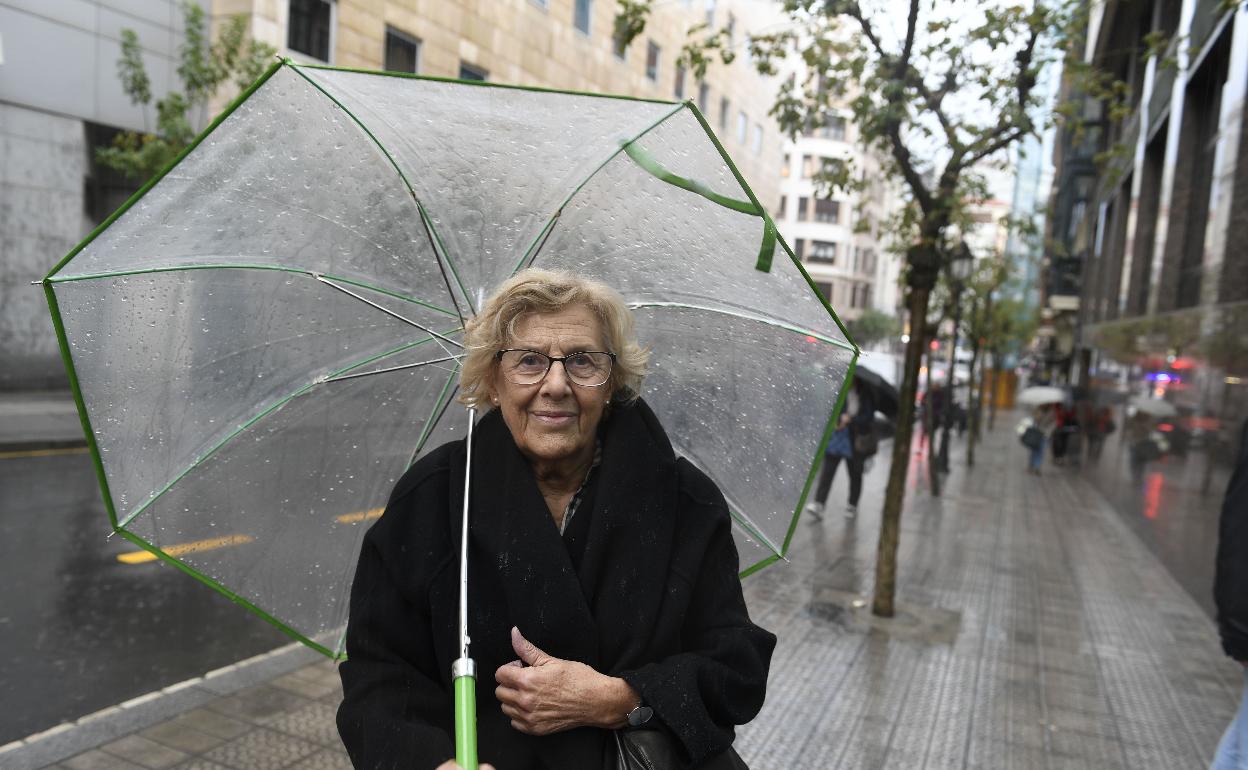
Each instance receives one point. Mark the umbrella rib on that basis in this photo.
(530, 254)
(280, 402)
(430, 232)
(388, 312)
(389, 369)
(745, 316)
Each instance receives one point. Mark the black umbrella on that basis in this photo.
(883, 394)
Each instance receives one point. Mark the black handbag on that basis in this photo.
(866, 443)
(1032, 438)
(653, 748)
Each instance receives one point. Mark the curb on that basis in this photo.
(72, 738)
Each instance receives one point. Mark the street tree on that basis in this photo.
(955, 88)
(205, 67)
(873, 326)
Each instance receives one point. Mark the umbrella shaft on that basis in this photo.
(463, 544)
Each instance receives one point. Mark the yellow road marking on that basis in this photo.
(78, 450)
(358, 516)
(142, 556)
(138, 557)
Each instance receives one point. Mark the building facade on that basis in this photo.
(60, 97)
(1146, 278)
(840, 237)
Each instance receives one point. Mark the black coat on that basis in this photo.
(656, 600)
(1230, 585)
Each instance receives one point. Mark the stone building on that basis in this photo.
(60, 97)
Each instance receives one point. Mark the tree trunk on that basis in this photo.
(895, 492)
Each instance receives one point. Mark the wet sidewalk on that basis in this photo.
(1035, 630)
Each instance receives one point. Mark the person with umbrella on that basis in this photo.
(853, 441)
(604, 570)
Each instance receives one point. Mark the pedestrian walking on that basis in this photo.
(1230, 594)
(1099, 427)
(1034, 433)
(853, 441)
(1142, 448)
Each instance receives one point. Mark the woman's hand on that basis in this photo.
(450, 765)
(543, 695)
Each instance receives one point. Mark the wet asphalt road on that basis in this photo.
(80, 630)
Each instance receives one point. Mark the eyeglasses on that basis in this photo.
(587, 368)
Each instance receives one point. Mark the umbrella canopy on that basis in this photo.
(1153, 406)
(1041, 394)
(885, 395)
(265, 338)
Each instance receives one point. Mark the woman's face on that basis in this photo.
(554, 420)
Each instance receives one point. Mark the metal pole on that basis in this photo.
(464, 669)
(953, 362)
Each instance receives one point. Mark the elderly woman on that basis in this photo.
(602, 570)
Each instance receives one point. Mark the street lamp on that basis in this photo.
(961, 263)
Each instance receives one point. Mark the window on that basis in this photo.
(472, 72)
(822, 251)
(743, 125)
(833, 127)
(652, 61)
(801, 209)
(581, 14)
(710, 13)
(309, 27)
(402, 51)
(725, 110)
(784, 166)
(679, 90)
(808, 166)
(731, 29)
(756, 144)
(827, 211)
(783, 203)
(704, 96)
(825, 289)
(799, 247)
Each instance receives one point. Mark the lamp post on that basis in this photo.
(960, 266)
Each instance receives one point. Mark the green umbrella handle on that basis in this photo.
(463, 672)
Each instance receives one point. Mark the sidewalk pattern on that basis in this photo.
(1065, 644)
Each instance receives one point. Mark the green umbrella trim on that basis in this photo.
(768, 247)
(264, 413)
(434, 238)
(227, 593)
(67, 357)
(246, 266)
(530, 253)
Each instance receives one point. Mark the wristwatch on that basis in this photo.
(640, 714)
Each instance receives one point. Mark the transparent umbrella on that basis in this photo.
(264, 338)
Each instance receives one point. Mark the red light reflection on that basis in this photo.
(1152, 495)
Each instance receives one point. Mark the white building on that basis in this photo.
(840, 239)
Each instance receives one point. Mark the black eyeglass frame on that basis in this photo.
(561, 359)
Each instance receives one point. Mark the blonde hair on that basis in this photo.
(548, 291)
